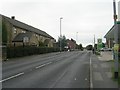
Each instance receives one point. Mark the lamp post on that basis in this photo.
(94, 45)
(116, 45)
(60, 35)
(76, 40)
(76, 37)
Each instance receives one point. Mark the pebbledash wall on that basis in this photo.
(119, 11)
(0, 52)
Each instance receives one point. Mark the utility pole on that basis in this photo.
(76, 37)
(116, 45)
(94, 44)
(60, 36)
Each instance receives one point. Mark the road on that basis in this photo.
(54, 70)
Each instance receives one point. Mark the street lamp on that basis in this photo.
(60, 35)
(94, 49)
(76, 36)
(116, 41)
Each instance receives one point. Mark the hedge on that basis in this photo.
(28, 50)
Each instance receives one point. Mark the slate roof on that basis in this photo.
(110, 33)
(47, 41)
(22, 25)
(20, 36)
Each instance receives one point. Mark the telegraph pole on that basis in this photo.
(60, 36)
(94, 44)
(116, 45)
(76, 36)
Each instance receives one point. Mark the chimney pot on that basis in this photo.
(13, 17)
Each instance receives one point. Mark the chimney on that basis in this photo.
(13, 17)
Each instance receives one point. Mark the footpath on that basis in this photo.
(102, 76)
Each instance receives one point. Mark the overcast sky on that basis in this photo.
(87, 17)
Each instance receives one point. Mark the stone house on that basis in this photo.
(17, 33)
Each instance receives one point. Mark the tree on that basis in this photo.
(41, 44)
(80, 47)
(89, 47)
(103, 44)
(63, 42)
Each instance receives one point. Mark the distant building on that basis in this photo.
(71, 44)
(17, 33)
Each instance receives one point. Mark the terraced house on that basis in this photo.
(17, 33)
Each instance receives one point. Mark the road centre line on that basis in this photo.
(48, 63)
(14, 76)
(91, 82)
(40, 66)
(43, 65)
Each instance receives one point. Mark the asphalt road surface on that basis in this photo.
(54, 70)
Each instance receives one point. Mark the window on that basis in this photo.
(23, 31)
(36, 35)
(25, 39)
(14, 30)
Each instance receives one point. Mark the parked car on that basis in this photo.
(106, 49)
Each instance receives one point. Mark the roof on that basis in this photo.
(110, 33)
(47, 41)
(20, 37)
(71, 40)
(26, 27)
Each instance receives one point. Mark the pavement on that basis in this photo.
(106, 56)
(102, 76)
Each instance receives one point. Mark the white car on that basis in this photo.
(105, 49)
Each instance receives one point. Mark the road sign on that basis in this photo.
(116, 47)
(99, 43)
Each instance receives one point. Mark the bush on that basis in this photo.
(28, 50)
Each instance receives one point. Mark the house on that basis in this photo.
(110, 41)
(110, 38)
(71, 44)
(17, 33)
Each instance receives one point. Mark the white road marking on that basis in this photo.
(48, 63)
(40, 66)
(86, 79)
(19, 74)
(75, 79)
(14, 76)
(91, 82)
(43, 65)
